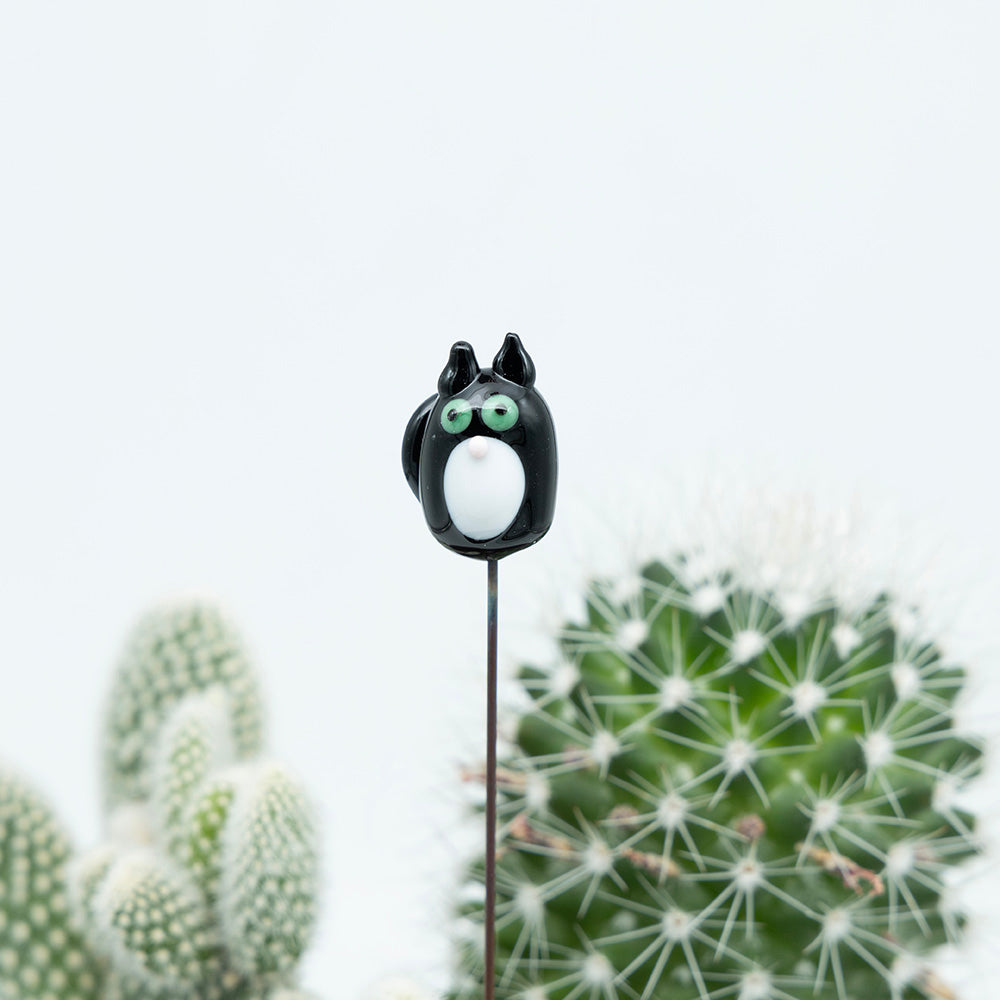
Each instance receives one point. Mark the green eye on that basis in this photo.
(499, 412)
(456, 416)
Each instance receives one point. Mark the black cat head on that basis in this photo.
(481, 454)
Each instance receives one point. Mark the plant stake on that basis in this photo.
(480, 456)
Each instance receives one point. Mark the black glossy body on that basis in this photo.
(427, 446)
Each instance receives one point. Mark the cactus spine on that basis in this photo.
(205, 888)
(721, 792)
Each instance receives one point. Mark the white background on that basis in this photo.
(237, 240)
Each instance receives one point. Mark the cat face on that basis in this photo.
(481, 454)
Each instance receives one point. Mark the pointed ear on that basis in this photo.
(461, 370)
(513, 363)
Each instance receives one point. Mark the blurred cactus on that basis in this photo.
(172, 653)
(723, 791)
(205, 888)
(42, 954)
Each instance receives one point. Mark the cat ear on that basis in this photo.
(461, 370)
(513, 363)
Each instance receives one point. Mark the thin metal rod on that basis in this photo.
(491, 778)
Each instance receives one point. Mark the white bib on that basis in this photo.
(483, 487)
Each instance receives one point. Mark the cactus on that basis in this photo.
(205, 888)
(42, 954)
(172, 653)
(720, 790)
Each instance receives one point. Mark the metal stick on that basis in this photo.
(491, 776)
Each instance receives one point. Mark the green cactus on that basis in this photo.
(719, 791)
(172, 653)
(42, 953)
(205, 888)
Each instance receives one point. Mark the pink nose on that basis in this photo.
(479, 446)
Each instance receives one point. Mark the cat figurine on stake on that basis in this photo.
(480, 456)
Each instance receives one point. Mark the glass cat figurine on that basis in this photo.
(480, 455)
